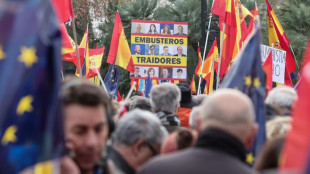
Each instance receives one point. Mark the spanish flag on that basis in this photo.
(278, 39)
(193, 86)
(67, 49)
(119, 53)
(95, 59)
(199, 63)
(85, 55)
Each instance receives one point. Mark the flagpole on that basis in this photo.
(205, 49)
(220, 59)
(76, 46)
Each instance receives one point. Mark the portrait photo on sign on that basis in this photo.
(179, 73)
(138, 28)
(165, 50)
(137, 73)
(180, 51)
(165, 72)
(137, 49)
(152, 49)
(166, 29)
(180, 29)
(152, 28)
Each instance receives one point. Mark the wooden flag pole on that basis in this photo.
(220, 59)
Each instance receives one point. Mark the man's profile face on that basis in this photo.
(180, 28)
(137, 71)
(180, 50)
(166, 50)
(86, 128)
(138, 49)
(165, 73)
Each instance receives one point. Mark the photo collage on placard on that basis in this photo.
(156, 30)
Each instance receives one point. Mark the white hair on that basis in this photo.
(194, 113)
(138, 124)
(282, 97)
(165, 97)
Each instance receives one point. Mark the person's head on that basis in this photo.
(179, 73)
(180, 50)
(152, 28)
(278, 127)
(139, 28)
(192, 117)
(140, 103)
(137, 49)
(166, 29)
(165, 97)
(283, 98)
(138, 137)
(137, 70)
(151, 71)
(200, 98)
(85, 108)
(180, 28)
(152, 49)
(166, 50)
(230, 111)
(165, 72)
(179, 140)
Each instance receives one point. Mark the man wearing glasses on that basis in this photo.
(152, 50)
(137, 139)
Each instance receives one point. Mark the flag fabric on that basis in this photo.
(199, 63)
(31, 128)
(95, 60)
(253, 21)
(218, 8)
(295, 154)
(278, 39)
(84, 56)
(148, 86)
(119, 97)
(68, 44)
(246, 75)
(193, 85)
(63, 10)
(207, 64)
(111, 80)
(119, 53)
(210, 91)
(267, 66)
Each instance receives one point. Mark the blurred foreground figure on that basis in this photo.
(87, 124)
(226, 125)
(137, 139)
(282, 98)
(165, 102)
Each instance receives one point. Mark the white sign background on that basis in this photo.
(278, 63)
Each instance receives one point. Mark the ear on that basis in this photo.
(138, 146)
(198, 122)
(250, 139)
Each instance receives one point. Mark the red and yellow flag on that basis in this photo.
(278, 39)
(207, 64)
(67, 50)
(199, 63)
(253, 21)
(95, 61)
(193, 85)
(119, 53)
(267, 66)
(84, 57)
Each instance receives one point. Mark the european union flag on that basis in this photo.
(31, 128)
(111, 80)
(148, 86)
(247, 75)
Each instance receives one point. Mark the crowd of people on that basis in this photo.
(170, 132)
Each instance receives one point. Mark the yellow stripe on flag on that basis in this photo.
(44, 168)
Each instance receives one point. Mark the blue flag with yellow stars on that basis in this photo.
(247, 75)
(148, 86)
(111, 80)
(31, 129)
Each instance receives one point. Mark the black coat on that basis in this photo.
(224, 155)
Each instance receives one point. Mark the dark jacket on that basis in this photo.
(170, 121)
(216, 152)
(121, 165)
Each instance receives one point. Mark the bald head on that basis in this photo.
(230, 111)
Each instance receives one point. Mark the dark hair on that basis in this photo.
(152, 46)
(137, 68)
(150, 69)
(84, 93)
(168, 32)
(179, 70)
(154, 27)
(165, 47)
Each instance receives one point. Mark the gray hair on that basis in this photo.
(194, 113)
(165, 97)
(136, 125)
(141, 103)
(282, 97)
